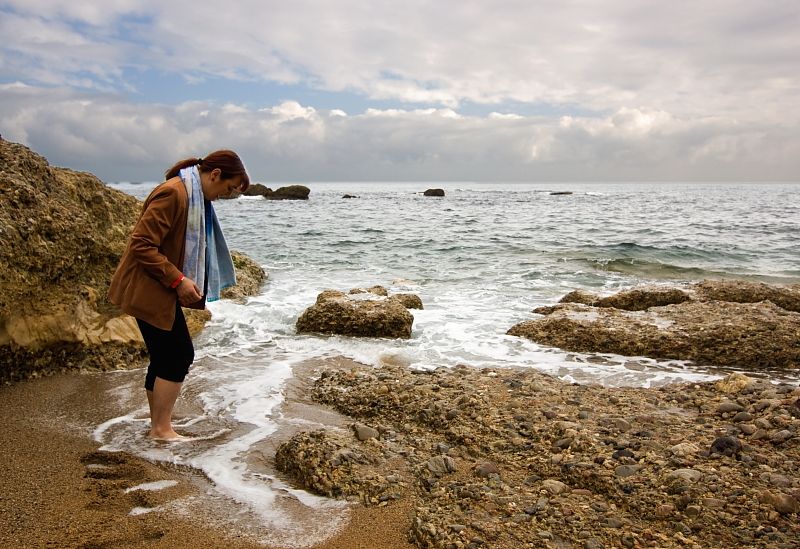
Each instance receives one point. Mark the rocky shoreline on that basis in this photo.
(515, 458)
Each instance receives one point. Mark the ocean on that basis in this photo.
(481, 258)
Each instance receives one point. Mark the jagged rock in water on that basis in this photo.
(377, 290)
(409, 301)
(580, 296)
(641, 299)
(353, 315)
(740, 291)
(751, 335)
(637, 299)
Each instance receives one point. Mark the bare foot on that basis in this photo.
(179, 438)
(168, 436)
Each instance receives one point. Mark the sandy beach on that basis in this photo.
(58, 490)
(452, 458)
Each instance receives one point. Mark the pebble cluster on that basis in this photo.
(515, 458)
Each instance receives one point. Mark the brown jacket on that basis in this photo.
(141, 284)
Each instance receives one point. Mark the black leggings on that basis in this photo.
(171, 351)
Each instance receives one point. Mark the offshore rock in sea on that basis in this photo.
(291, 192)
(434, 192)
(360, 314)
(257, 189)
(693, 324)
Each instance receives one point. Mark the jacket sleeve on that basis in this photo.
(156, 222)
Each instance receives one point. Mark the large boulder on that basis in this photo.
(434, 192)
(61, 236)
(732, 329)
(360, 315)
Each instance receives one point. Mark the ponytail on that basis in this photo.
(228, 162)
(186, 163)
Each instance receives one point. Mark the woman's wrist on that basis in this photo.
(177, 281)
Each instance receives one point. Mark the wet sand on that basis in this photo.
(58, 490)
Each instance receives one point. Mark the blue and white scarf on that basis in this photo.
(206, 259)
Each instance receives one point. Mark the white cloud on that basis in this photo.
(676, 90)
(122, 141)
(723, 57)
(290, 110)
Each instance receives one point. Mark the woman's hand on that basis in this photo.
(188, 292)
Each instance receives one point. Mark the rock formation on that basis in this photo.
(61, 235)
(434, 192)
(291, 192)
(361, 313)
(257, 189)
(726, 323)
(249, 277)
(409, 301)
(377, 290)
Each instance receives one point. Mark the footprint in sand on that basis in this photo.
(122, 484)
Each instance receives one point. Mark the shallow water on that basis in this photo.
(481, 259)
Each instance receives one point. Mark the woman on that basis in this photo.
(176, 248)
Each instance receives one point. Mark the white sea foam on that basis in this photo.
(152, 486)
(245, 394)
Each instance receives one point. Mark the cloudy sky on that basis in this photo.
(450, 90)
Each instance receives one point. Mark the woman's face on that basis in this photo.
(214, 186)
